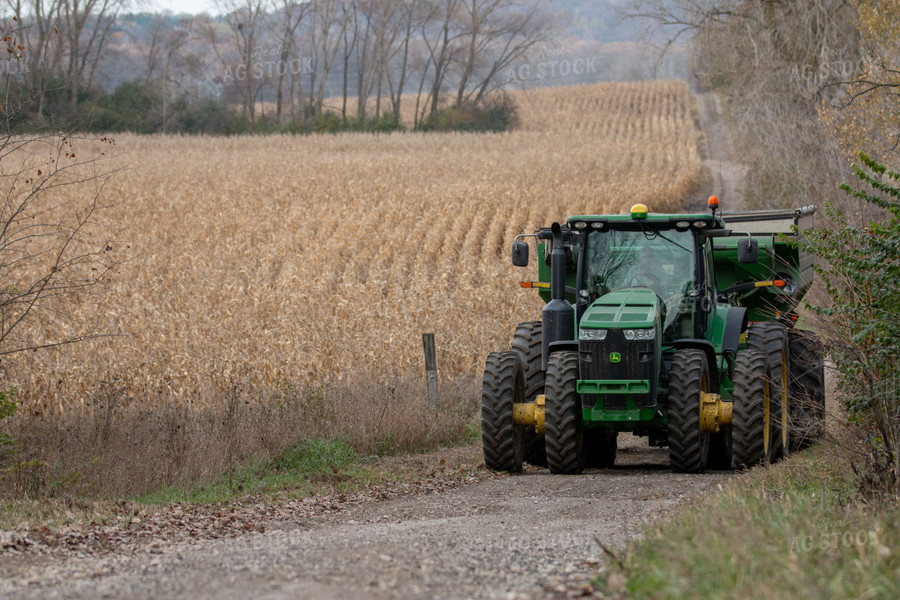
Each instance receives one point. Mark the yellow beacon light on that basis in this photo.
(639, 211)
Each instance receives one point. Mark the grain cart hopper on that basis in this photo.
(676, 327)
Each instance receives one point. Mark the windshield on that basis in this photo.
(660, 260)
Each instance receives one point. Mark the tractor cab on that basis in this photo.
(657, 257)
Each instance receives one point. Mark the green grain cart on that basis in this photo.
(679, 328)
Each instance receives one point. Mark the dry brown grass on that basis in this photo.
(260, 267)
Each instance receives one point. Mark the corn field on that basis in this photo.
(250, 269)
(273, 261)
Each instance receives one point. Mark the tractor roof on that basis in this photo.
(641, 218)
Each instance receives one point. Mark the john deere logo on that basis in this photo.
(615, 357)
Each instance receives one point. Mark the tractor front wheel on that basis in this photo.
(562, 417)
(503, 442)
(688, 379)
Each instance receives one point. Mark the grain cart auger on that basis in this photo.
(679, 328)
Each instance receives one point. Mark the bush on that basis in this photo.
(138, 107)
(386, 123)
(8, 407)
(133, 106)
(861, 270)
(327, 122)
(497, 113)
(206, 116)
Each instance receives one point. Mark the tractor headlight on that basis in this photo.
(592, 335)
(642, 335)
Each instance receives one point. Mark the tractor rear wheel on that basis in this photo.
(688, 379)
(527, 342)
(502, 441)
(772, 340)
(562, 417)
(750, 430)
(807, 387)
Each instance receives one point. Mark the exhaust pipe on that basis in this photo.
(558, 316)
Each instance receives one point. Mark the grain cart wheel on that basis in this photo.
(807, 387)
(772, 340)
(600, 445)
(562, 417)
(527, 342)
(749, 421)
(504, 384)
(688, 378)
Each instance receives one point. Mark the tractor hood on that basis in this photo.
(623, 309)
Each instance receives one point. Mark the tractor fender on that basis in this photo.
(563, 345)
(735, 325)
(557, 346)
(707, 347)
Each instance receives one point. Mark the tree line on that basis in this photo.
(811, 88)
(264, 64)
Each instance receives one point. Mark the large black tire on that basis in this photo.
(502, 441)
(527, 342)
(750, 429)
(807, 387)
(600, 445)
(772, 340)
(562, 419)
(688, 378)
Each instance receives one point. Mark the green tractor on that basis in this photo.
(678, 328)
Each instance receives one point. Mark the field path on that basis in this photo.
(534, 535)
(725, 174)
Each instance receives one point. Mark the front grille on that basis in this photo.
(637, 362)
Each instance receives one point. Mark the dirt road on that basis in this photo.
(725, 174)
(532, 535)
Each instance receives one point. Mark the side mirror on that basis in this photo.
(748, 251)
(520, 253)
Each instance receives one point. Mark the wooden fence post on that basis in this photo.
(431, 369)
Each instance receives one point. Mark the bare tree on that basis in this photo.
(245, 18)
(377, 29)
(38, 34)
(327, 29)
(441, 36)
(759, 56)
(288, 17)
(865, 97)
(53, 246)
(497, 33)
(166, 61)
(411, 13)
(349, 45)
(86, 27)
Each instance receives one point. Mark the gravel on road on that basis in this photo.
(532, 535)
